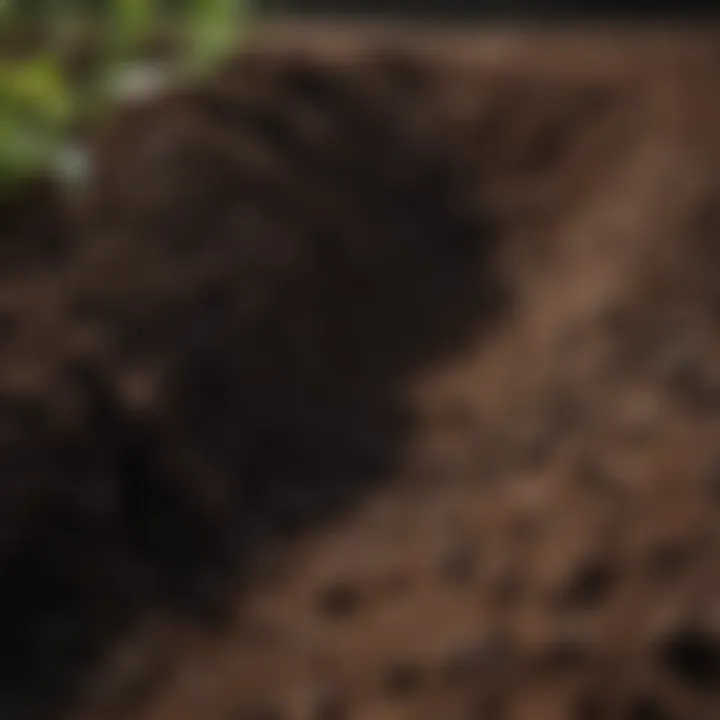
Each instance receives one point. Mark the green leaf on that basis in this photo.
(8, 11)
(35, 87)
(131, 21)
(213, 28)
(24, 150)
(40, 104)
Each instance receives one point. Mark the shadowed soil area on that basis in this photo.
(377, 377)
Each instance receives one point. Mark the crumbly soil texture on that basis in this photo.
(376, 377)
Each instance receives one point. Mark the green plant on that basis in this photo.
(41, 104)
(35, 113)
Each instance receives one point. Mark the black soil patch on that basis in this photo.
(262, 262)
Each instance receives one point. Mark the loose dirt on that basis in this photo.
(378, 377)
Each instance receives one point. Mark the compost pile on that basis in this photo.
(382, 374)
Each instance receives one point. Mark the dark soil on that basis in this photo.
(232, 288)
(410, 356)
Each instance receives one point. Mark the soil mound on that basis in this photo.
(261, 261)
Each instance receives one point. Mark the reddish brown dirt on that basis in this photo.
(415, 351)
